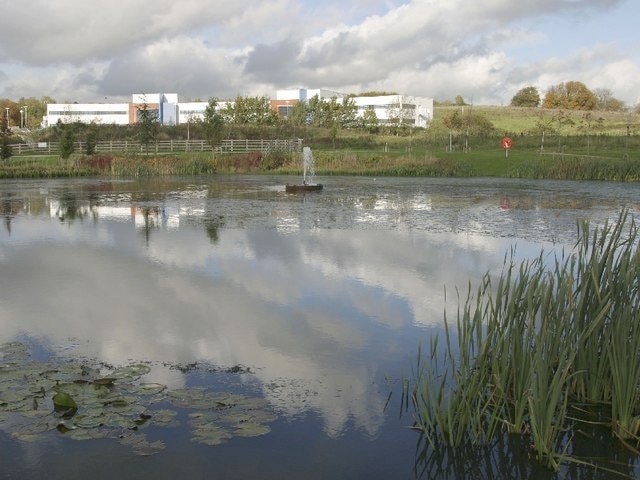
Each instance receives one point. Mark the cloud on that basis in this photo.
(486, 49)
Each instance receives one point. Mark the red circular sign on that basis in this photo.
(506, 143)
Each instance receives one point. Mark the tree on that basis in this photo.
(471, 123)
(213, 123)
(250, 110)
(5, 149)
(370, 120)
(299, 115)
(36, 109)
(607, 102)
(348, 112)
(67, 138)
(91, 136)
(588, 124)
(460, 101)
(571, 96)
(14, 112)
(147, 125)
(526, 97)
(400, 114)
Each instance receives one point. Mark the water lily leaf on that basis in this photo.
(210, 434)
(151, 388)
(251, 429)
(107, 381)
(62, 400)
(165, 418)
(132, 371)
(89, 420)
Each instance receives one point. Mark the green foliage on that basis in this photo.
(250, 110)
(213, 123)
(469, 122)
(526, 97)
(370, 121)
(66, 140)
(90, 140)
(147, 125)
(5, 149)
(34, 111)
(536, 345)
(460, 101)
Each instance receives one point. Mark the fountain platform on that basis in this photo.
(301, 188)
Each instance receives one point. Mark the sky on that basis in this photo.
(483, 50)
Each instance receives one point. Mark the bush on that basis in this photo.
(5, 150)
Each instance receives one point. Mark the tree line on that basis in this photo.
(572, 95)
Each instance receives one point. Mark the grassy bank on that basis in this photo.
(613, 160)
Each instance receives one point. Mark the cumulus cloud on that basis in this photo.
(485, 50)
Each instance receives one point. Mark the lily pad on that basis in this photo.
(63, 400)
(93, 403)
(210, 434)
(251, 429)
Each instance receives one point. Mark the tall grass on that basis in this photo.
(550, 334)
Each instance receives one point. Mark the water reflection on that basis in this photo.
(322, 296)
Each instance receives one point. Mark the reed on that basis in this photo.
(556, 331)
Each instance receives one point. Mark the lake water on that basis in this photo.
(310, 308)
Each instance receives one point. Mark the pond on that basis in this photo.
(220, 327)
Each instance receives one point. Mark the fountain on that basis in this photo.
(308, 165)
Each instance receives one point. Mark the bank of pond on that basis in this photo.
(485, 163)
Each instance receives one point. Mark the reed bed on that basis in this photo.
(549, 338)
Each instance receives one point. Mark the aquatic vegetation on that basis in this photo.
(553, 338)
(81, 402)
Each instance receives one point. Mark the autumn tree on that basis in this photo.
(526, 97)
(571, 96)
(35, 110)
(607, 102)
(13, 112)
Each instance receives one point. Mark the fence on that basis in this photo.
(165, 146)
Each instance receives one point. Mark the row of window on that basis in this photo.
(92, 114)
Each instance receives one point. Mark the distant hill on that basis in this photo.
(523, 120)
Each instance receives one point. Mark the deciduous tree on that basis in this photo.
(571, 96)
(607, 102)
(526, 97)
(250, 110)
(147, 125)
(213, 123)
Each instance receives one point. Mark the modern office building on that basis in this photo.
(164, 106)
(416, 111)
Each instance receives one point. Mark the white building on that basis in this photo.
(103, 113)
(163, 105)
(416, 111)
